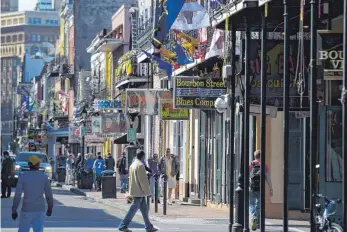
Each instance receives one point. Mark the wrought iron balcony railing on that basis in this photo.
(145, 28)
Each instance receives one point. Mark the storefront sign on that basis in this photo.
(96, 124)
(145, 101)
(196, 92)
(108, 104)
(131, 135)
(274, 72)
(74, 134)
(167, 111)
(331, 55)
(114, 123)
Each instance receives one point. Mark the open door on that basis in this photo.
(330, 156)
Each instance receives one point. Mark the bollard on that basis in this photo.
(165, 194)
(156, 194)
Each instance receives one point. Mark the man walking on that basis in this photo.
(34, 184)
(110, 163)
(169, 166)
(254, 193)
(7, 172)
(153, 164)
(98, 167)
(139, 190)
(123, 172)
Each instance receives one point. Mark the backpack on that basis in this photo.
(254, 177)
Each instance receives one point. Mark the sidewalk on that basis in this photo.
(179, 213)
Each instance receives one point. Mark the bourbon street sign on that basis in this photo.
(197, 92)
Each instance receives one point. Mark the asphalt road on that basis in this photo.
(75, 213)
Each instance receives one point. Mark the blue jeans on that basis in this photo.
(124, 178)
(31, 219)
(254, 205)
(152, 186)
(136, 204)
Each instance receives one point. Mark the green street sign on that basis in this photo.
(131, 135)
(83, 131)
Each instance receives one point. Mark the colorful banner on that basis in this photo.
(190, 44)
(96, 124)
(166, 12)
(331, 55)
(163, 65)
(108, 74)
(114, 123)
(196, 92)
(217, 45)
(74, 134)
(167, 111)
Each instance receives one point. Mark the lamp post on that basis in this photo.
(84, 117)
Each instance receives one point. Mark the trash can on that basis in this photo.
(61, 174)
(108, 184)
(86, 179)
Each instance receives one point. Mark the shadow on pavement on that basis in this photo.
(81, 214)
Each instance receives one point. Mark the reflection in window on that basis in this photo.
(334, 164)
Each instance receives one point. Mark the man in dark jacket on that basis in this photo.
(109, 162)
(7, 172)
(123, 172)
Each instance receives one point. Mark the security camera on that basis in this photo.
(222, 103)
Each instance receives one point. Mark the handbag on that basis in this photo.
(12, 182)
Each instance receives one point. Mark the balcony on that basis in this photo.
(104, 44)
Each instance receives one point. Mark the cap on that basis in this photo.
(34, 160)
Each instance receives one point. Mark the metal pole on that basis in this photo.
(232, 126)
(286, 78)
(156, 194)
(344, 117)
(84, 127)
(263, 118)
(313, 111)
(246, 126)
(165, 195)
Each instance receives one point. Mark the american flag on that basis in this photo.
(24, 107)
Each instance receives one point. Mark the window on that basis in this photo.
(47, 21)
(8, 39)
(45, 38)
(14, 38)
(15, 21)
(38, 38)
(20, 51)
(33, 38)
(51, 21)
(21, 20)
(30, 20)
(9, 22)
(3, 22)
(2, 39)
(20, 38)
(56, 22)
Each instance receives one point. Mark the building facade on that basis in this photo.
(9, 6)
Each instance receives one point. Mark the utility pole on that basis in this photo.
(313, 112)
(286, 81)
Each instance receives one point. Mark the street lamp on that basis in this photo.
(84, 117)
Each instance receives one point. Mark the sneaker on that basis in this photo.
(254, 225)
(153, 229)
(124, 229)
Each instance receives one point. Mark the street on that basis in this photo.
(77, 213)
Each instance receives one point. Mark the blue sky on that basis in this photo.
(27, 4)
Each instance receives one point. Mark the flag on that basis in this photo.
(192, 17)
(167, 67)
(170, 56)
(49, 126)
(217, 45)
(182, 56)
(31, 103)
(166, 12)
(189, 43)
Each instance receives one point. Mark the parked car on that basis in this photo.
(22, 165)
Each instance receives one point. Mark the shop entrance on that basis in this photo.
(330, 155)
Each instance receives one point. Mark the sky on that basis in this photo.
(27, 4)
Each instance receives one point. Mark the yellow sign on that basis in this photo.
(108, 75)
(167, 112)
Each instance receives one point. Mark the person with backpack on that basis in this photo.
(254, 185)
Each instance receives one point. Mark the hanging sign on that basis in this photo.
(197, 92)
(96, 124)
(114, 123)
(331, 55)
(167, 111)
(74, 134)
(131, 135)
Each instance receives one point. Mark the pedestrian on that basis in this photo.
(7, 174)
(78, 161)
(69, 170)
(33, 184)
(109, 162)
(139, 190)
(98, 167)
(254, 194)
(89, 162)
(169, 168)
(153, 164)
(123, 172)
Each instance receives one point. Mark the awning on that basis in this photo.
(121, 140)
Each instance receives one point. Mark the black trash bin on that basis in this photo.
(86, 179)
(108, 184)
(61, 174)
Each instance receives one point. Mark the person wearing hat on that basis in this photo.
(33, 184)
